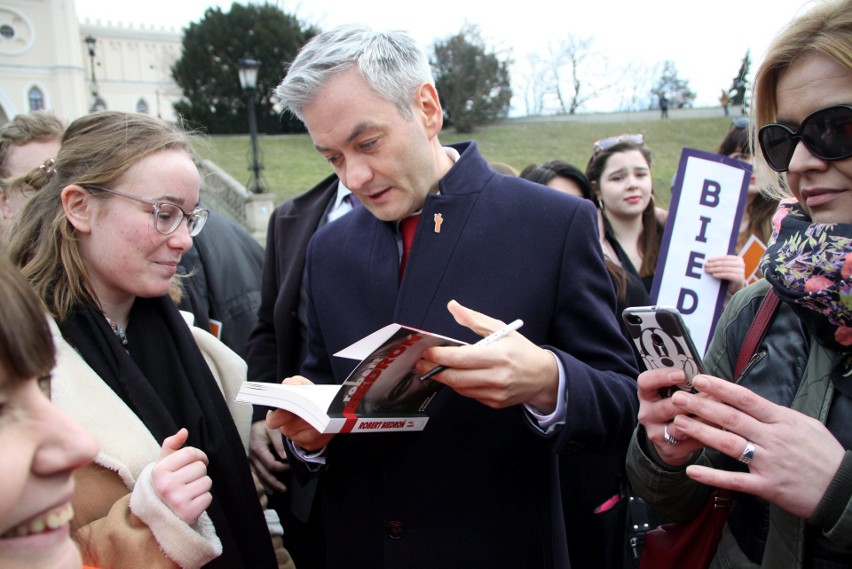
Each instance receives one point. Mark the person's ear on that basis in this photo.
(597, 195)
(429, 105)
(79, 207)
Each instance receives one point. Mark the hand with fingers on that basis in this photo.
(729, 268)
(657, 411)
(791, 457)
(180, 478)
(294, 427)
(507, 372)
(268, 457)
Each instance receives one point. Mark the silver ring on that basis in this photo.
(748, 453)
(668, 438)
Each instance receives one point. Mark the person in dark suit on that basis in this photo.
(479, 486)
(272, 352)
(223, 286)
(276, 349)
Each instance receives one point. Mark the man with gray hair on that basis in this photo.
(444, 243)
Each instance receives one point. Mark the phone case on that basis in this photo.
(663, 340)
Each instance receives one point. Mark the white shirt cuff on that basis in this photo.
(314, 460)
(547, 423)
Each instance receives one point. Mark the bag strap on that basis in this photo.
(757, 330)
(722, 499)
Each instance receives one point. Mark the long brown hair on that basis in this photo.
(649, 239)
(96, 149)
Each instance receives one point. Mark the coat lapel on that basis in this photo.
(439, 233)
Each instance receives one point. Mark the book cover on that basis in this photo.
(383, 393)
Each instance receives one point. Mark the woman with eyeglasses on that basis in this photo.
(620, 174)
(100, 242)
(779, 434)
(757, 214)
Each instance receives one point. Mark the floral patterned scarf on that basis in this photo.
(810, 267)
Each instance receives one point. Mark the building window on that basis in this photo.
(142, 106)
(36, 99)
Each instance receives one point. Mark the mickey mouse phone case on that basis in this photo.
(663, 340)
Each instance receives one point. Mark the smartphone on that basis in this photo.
(663, 340)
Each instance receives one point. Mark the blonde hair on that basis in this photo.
(96, 149)
(825, 29)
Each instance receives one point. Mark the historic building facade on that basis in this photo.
(46, 63)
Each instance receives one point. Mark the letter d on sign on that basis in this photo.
(682, 297)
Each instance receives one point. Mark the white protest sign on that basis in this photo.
(707, 203)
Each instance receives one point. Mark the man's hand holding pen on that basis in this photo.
(509, 371)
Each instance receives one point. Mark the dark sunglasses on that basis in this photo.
(827, 133)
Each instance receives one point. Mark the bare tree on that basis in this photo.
(574, 75)
(636, 80)
(533, 83)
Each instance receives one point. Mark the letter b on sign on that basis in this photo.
(710, 193)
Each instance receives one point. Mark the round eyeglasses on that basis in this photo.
(827, 133)
(167, 216)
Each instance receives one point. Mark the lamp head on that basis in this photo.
(248, 73)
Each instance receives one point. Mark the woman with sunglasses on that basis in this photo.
(779, 435)
(620, 174)
(100, 243)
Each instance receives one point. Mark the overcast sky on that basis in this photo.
(705, 40)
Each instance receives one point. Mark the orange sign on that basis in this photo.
(751, 253)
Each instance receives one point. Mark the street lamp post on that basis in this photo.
(248, 80)
(90, 45)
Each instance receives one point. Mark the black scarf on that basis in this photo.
(165, 380)
(810, 267)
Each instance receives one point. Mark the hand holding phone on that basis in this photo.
(663, 340)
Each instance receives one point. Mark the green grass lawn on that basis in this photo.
(291, 165)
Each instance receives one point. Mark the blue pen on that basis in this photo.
(490, 338)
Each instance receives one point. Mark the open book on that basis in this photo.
(383, 393)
